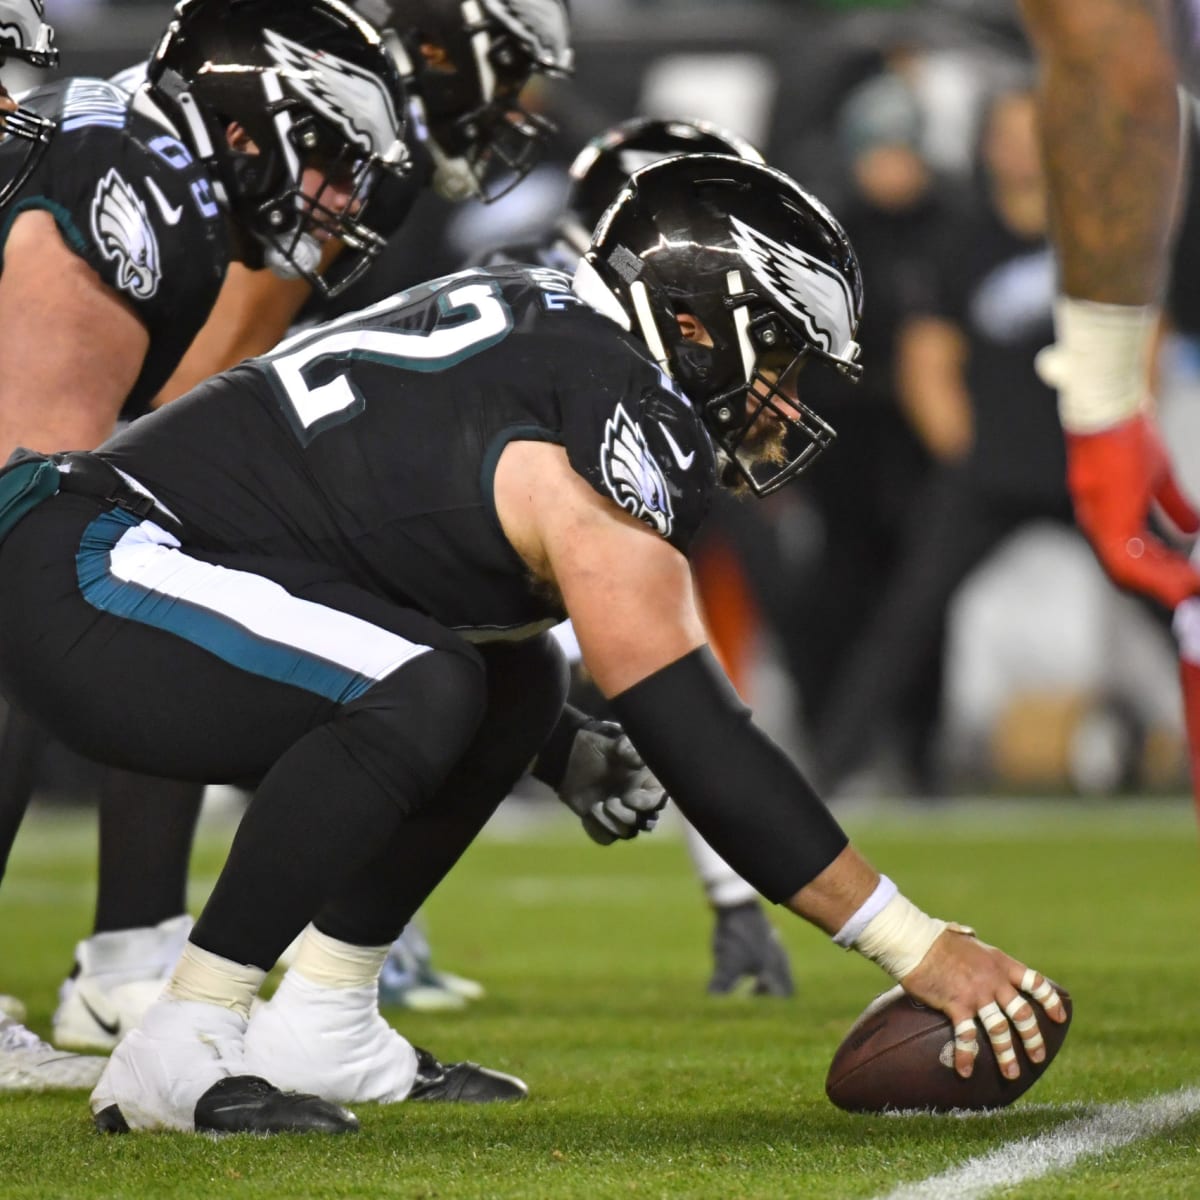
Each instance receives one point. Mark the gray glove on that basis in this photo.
(745, 946)
(608, 786)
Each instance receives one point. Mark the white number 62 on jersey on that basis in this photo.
(316, 407)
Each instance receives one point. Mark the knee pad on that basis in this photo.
(410, 729)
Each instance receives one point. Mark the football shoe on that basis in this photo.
(747, 954)
(117, 976)
(331, 1041)
(462, 1082)
(160, 1070)
(28, 1064)
(410, 980)
(12, 1006)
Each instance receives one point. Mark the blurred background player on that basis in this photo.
(1112, 139)
(115, 246)
(966, 379)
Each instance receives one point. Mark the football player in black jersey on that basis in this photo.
(746, 950)
(140, 919)
(330, 571)
(121, 215)
(464, 64)
(27, 1062)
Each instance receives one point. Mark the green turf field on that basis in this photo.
(642, 1087)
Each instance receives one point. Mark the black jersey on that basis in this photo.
(130, 200)
(371, 442)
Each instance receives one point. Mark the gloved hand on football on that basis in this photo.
(608, 786)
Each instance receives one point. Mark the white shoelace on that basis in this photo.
(14, 1036)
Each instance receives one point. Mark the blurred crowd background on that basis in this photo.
(917, 616)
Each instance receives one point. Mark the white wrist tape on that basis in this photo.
(885, 889)
(898, 936)
(1099, 363)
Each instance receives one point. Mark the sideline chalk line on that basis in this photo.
(1105, 1129)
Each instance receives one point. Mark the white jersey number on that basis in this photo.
(316, 407)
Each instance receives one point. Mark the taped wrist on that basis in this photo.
(550, 766)
(890, 930)
(743, 794)
(1099, 363)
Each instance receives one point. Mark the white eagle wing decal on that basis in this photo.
(347, 96)
(810, 290)
(122, 230)
(633, 477)
(541, 24)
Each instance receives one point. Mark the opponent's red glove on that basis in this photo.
(1113, 475)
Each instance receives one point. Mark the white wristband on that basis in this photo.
(898, 936)
(885, 889)
(1099, 362)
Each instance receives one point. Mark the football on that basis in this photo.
(900, 1055)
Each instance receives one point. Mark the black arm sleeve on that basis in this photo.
(747, 799)
(551, 763)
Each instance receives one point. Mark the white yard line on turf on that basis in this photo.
(1105, 1129)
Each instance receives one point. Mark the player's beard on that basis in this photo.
(765, 442)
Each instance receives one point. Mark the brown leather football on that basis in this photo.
(900, 1054)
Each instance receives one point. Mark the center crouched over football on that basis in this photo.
(899, 1054)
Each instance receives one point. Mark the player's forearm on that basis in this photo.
(1110, 130)
(837, 893)
(743, 794)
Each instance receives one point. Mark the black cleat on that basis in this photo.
(248, 1104)
(111, 1120)
(464, 1082)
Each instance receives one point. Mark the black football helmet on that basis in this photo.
(464, 63)
(25, 35)
(768, 271)
(313, 86)
(603, 167)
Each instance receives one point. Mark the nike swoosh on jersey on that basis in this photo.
(170, 212)
(684, 460)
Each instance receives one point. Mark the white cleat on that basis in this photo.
(12, 1006)
(410, 980)
(118, 976)
(181, 1049)
(331, 1041)
(28, 1064)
